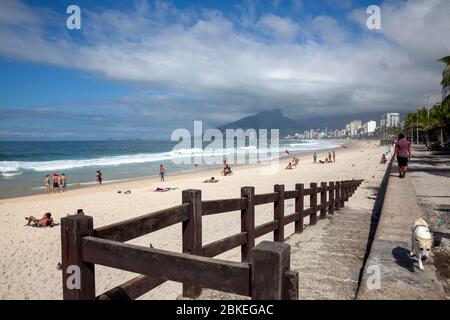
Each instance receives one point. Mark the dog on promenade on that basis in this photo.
(421, 241)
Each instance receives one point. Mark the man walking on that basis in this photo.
(162, 172)
(403, 153)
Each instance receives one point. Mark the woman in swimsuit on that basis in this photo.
(63, 182)
(99, 177)
(47, 183)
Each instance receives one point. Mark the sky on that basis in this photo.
(140, 69)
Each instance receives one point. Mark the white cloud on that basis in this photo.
(328, 30)
(278, 27)
(219, 65)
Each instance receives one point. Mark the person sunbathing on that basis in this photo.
(227, 170)
(45, 221)
(294, 162)
(212, 180)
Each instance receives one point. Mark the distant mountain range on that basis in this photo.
(273, 119)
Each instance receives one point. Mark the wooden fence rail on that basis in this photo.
(263, 272)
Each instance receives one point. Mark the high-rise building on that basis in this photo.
(354, 126)
(390, 120)
(369, 127)
(348, 129)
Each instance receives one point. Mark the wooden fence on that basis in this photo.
(263, 272)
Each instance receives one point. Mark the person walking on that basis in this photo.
(403, 152)
(315, 157)
(334, 156)
(98, 176)
(162, 172)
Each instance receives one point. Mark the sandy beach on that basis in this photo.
(30, 255)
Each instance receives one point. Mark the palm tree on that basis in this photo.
(443, 110)
(417, 121)
(440, 114)
(438, 121)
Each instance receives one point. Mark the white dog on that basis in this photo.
(421, 241)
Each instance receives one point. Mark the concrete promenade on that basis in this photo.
(400, 277)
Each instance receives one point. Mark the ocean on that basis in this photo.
(23, 165)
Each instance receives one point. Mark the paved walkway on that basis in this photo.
(329, 256)
(430, 176)
(400, 277)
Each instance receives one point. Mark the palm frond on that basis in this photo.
(445, 60)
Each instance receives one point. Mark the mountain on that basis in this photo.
(273, 119)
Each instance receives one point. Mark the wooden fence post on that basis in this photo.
(313, 203)
(248, 223)
(337, 198)
(299, 206)
(278, 234)
(342, 194)
(78, 277)
(349, 189)
(192, 234)
(323, 200)
(331, 198)
(271, 278)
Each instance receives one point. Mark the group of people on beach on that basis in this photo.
(59, 182)
(328, 159)
(293, 163)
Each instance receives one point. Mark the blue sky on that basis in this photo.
(143, 68)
